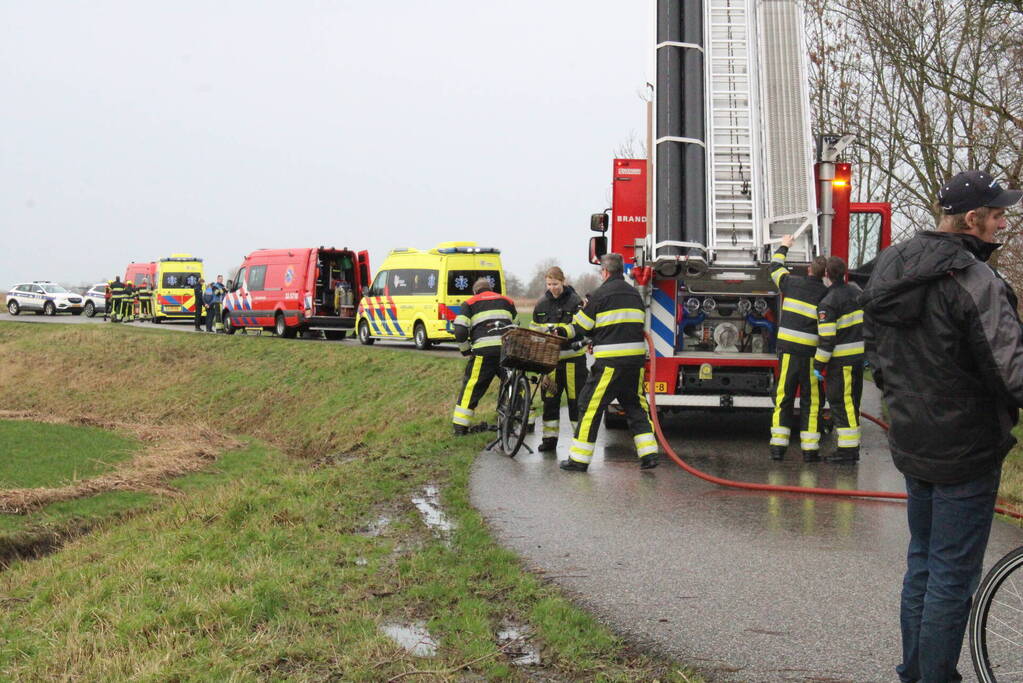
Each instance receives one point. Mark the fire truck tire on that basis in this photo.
(49, 308)
(225, 318)
(420, 337)
(13, 308)
(364, 337)
(90, 309)
(281, 328)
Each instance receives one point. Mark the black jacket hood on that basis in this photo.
(898, 296)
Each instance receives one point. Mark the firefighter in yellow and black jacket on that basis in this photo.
(478, 329)
(614, 321)
(796, 345)
(556, 309)
(117, 296)
(839, 359)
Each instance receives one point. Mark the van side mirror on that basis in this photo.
(598, 247)
(598, 222)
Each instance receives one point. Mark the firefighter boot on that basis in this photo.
(778, 452)
(648, 461)
(548, 443)
(844, 456)
(811, 456)
(460, 430)
(573, 466)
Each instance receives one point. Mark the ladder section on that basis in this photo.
(789, 196)
(734, 231)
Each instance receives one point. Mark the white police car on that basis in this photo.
(43, 298)
(96, 299)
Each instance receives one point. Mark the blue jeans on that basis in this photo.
(949, 525)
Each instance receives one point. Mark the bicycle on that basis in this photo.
(996, 622)
(526, 356)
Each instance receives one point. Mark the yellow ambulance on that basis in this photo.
(416, 294)
(175, 299)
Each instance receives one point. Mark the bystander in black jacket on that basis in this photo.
(942, 333)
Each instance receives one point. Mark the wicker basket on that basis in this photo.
(529, 350)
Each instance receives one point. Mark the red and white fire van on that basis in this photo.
(293, 290)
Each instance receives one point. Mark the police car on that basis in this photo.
(43, 298)
(96, 299)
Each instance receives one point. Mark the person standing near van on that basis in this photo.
(478, 327)
(556, 308)
(197, 291)
(214, 295)
(117, 293)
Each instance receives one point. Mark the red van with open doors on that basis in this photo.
(137, 273)
(297, 290)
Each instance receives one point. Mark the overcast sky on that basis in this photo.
(130, 130)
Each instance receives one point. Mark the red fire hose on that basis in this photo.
(750, 486)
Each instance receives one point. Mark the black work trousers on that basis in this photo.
(479, 373)
(604, 384)
(198, 315)
(844, 387)
(569, 379)
(796, 373)
(212, 316)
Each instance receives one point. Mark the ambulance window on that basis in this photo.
(460, 282)
(864, 238)
(422, 281)
(257, 275)
(378, 284)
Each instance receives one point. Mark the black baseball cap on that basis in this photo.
(971, 190)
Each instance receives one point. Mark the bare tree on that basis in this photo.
(585, 282)
(929, 88)
(537, 283)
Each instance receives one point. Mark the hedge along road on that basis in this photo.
(742, 585)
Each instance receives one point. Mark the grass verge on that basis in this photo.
(275, 563)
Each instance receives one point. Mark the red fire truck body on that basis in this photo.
(688, 376)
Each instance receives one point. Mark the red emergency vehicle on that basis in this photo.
(136, 273)
(293, 290)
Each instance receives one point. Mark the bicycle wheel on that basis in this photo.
(996, 622)
(516, 417)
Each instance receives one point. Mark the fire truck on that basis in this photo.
(733, 168)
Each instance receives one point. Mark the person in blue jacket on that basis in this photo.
(213, 297)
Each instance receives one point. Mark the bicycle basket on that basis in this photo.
(528, 350)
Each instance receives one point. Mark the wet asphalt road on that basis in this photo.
(744, 586)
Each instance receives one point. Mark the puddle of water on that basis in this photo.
(376, 527)
(429, 507)
(413, 637)
(519, 649)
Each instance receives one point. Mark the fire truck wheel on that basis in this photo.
(281, 328)
(49, 308)
(90, 309)
(226, 320)
(420, 337)
(13, 308)
(364, 337)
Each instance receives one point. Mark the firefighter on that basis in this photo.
(839, 359)
(796, 345)
(482, 320)
(117, 293)
(614, 321)
(556, 308)
(145, 294)
(128, 302)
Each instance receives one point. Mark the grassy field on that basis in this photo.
(47, 454)
(285, 556)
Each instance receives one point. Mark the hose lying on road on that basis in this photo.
(776, 488)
